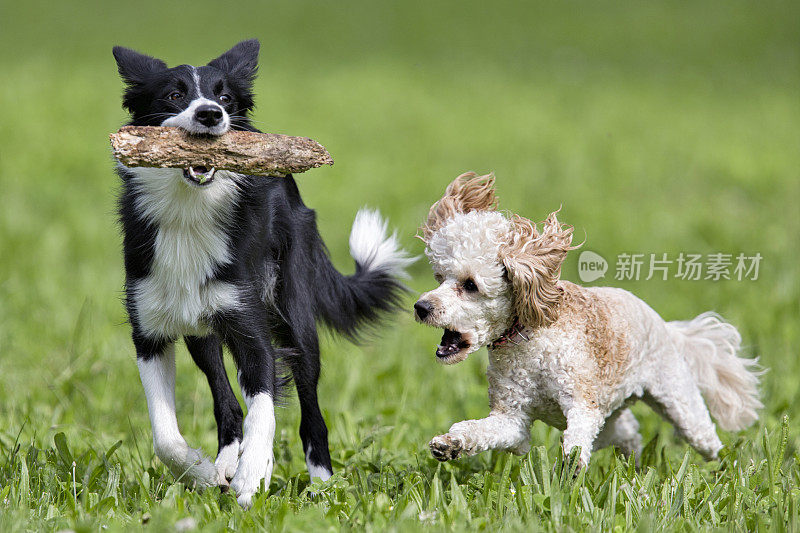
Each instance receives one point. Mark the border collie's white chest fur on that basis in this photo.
(191, 241)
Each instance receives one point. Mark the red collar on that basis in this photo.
(515, 334)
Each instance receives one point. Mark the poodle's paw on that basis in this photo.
(572, 463)
(522, 448)
(446, 447)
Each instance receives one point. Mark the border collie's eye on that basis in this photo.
(225, 98)
(469, 285)
(175, 95)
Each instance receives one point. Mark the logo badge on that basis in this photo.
(591, 266)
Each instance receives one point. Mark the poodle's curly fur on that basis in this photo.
(572, 356)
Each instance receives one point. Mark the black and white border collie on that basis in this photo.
(220, 258)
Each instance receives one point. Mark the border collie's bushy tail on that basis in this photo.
(729, 383)
(347, 302)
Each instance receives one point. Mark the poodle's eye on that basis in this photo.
(469, 285)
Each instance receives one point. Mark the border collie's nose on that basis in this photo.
(208, 115)
(423, 309)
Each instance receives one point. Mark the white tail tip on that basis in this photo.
(373, 248)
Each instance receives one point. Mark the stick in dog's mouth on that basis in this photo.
(452, 348)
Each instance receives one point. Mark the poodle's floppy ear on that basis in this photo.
(533, 262)
(468, 192)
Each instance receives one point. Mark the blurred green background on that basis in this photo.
(659, 127)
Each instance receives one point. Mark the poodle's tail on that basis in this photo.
(729, 383)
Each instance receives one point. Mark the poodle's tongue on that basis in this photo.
(451, 343)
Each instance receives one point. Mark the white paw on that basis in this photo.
(522, 448)
(255, 462)
(583, 459)
(245, 500)
(446, 447)
(193, 468)
(316, 471)
(226, 463)
(253, 467)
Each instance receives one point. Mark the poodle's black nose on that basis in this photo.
(423, 309)
(208, 115)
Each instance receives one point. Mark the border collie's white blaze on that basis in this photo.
(220, 258)
(217, 120)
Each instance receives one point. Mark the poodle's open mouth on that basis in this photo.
(453, 347)
(199, 175)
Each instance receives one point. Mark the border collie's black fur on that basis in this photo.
(221, 258)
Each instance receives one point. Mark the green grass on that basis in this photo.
(660, 127)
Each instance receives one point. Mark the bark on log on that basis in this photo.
(246, 152)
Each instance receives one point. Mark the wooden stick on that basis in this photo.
(246, 152)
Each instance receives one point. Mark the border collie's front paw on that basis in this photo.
(446, 447)
(253, 467)
(200, 473)
(244, 489)
(226, 463)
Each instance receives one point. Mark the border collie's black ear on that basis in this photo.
(133, 66)
(241, 60)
